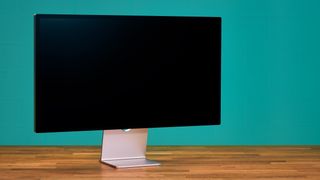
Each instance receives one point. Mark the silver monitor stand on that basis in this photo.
(125, 148)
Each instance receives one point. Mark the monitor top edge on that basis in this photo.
(123, 15)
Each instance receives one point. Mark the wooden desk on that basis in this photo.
(178, 162)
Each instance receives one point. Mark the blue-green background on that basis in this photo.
(270, 70)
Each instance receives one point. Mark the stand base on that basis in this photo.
(125, 149)
(130, 163)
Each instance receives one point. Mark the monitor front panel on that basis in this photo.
(114, 72)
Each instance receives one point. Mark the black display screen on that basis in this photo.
(95, 72)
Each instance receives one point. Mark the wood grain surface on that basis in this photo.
(177, 162)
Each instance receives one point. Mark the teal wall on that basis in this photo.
(270, 70)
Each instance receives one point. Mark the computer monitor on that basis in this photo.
(112, 72)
